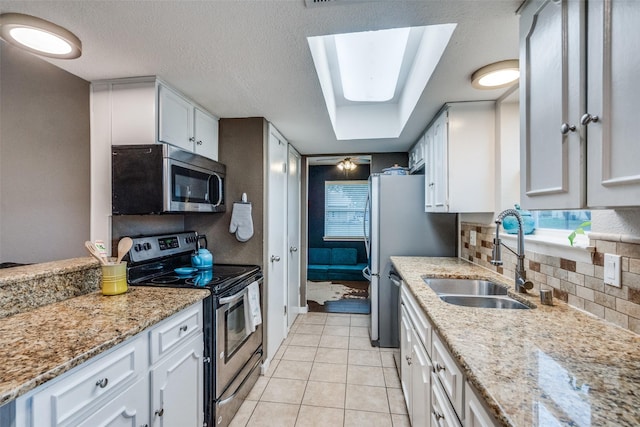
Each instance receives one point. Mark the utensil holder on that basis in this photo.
(114, 279)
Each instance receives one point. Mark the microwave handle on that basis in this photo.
(220, 195)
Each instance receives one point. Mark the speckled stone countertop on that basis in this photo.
(40, 344)
(546, 366)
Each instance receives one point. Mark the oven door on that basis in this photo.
(234, 343)
(192, 189)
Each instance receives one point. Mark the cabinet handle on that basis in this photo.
(102, 383)
(160, 412)
(588, 118)
(275, 258)
(439, 367)
(565, 128)
(431, 184)
(199, 142)
(408, 360)
(293, 249)
(438, 415)
(192, 139)
(184, 328)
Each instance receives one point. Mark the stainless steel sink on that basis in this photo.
(501, 302)
(465, 287)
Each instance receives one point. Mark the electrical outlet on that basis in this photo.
(472, 238)
(612, 270)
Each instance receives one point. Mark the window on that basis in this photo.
(344, 204)
(561, 220)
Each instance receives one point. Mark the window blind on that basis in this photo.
(344, 205)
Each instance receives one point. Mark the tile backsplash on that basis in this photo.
(580, 284)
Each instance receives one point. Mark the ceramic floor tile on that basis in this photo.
(400, 420)
(359, 331)
(365, 375)
(360, 343)
(269, 414)
(272, 368)
(333, 341)
(312, 329)
(258, 388)
(391, 378)
(301, 354)
(284, 391)
(313, 416)
(360, 320)
(331, 355)
(387, 359)
(367, 398)
(338, 321)
(314, 318)
(342, 331)
(244, 413)
(327, 395)
(396, 401)
(364, 357)
(370, 419)
(305, 340)
(293, 370)
(280, 352)
(329, 372)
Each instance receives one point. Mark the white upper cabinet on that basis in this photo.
(577, 142)
(416, 155)
(144, 110)
(459, 159)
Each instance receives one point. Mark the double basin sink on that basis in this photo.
(473, 293)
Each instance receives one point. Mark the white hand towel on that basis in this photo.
(252, 314)
(241, 221)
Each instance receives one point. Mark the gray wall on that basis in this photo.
(381, 161)
(44, 160)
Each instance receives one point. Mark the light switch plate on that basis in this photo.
(472, 238)
(612, 271)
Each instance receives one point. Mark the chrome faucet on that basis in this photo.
(521, 284)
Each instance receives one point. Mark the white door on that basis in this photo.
(175, 122)
(206, 134)
(293, 234)
(277, 250)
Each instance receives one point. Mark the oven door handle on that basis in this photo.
(230, 398)
(232, 298)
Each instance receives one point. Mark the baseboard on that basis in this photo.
(303, 310)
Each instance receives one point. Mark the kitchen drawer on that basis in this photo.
(421, 325)
(442, 413)
(174, 331)
(449, 375)
(79, 391)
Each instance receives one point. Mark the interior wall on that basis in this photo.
(44, 160)
(317, 176)
(241, 149)
(381, 161)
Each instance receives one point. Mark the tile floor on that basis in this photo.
(326, 373)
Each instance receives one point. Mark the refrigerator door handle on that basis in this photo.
(366, 273)
(395, 279)
(367, 208)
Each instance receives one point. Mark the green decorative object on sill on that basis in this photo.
(510, 223)
(579, 230)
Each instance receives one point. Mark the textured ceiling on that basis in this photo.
(250, 58)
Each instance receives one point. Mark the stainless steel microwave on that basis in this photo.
(160, 178)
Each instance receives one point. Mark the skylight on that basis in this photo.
(370, 63)
(372, 80)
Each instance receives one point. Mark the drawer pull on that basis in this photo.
(439, 367)
(160, 412)
(102, 383)
(408, 360)
(438, 415)
(184, 328)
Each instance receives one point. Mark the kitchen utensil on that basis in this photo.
(102, 250)
(94, 252)
(203, 259)
(124, 245)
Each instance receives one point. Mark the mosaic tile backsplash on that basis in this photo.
(577, 283)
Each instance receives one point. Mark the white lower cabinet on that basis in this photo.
(477, 415)
(122, 387)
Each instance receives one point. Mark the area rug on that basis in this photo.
(338, 297)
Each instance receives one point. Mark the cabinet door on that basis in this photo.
(177, 387)
(552, 96)
(406, 346)
(475, 414)
(175, 125)
(421, 386)
(429, 172)
(440, 164)
(613, 90)
(129, 409)
(206, 134)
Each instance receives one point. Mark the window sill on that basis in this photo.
(553, 243)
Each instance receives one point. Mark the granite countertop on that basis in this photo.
(552, 365)
(40, 344)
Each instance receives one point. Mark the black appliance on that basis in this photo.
(232, 353)
(153, 179)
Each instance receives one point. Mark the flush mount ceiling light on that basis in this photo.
(347, 164)
(497, 75)
(39, 36)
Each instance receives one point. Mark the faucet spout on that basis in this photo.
(521, 282)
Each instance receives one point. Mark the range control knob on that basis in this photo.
(147, 246)
(137, 247)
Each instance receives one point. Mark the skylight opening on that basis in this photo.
(370, 62)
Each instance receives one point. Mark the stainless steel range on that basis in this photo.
(232, 347)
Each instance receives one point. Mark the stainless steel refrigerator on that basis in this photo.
(399, 226)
